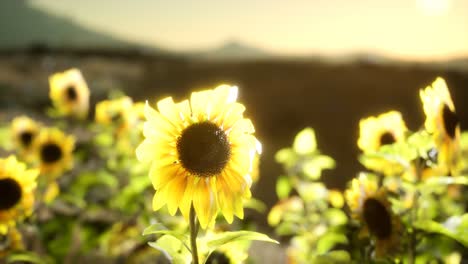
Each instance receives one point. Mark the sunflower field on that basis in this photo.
(169, 181)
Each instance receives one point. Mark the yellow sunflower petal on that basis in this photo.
(204, 202)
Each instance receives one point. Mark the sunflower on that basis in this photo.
(10, 242)
(375, 132)
(201, 152)
(117, 112)
(370, 206)
(53, 152)
(384, 129)
(69, 93)
(24, 131)
(442, 123)
(17, 185)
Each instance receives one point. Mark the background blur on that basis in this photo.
(299, 63)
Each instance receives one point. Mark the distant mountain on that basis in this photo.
(231, 50)
(23, 26)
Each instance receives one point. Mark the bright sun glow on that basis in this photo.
(434, 7)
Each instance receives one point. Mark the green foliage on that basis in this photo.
(456, 227)
(310, 217)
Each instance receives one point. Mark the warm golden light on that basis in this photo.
(434, 7)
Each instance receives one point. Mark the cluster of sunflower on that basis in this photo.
(86, 192)
(89, 196)
(410, 206)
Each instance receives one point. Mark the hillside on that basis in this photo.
(23, 26)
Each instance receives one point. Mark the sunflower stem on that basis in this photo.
(193, 234)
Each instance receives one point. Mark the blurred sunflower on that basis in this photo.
(69, 93)
(384, 129)
(442, 123)
(24, 131)
(53, 152)
(201, 152)
(375, 132)
(9, 242)
(17, 185)
(117, 112)
(370, 206)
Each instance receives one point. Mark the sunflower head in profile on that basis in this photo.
(369, 205)
(442, 122)
(69, 93)
(53, 152)
(10, 242)
(201, 152)
(17, 185)
(24, 131)
(116, 112)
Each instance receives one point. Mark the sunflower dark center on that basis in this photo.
(450, 120)
(71, 93)
(377, 218)
(218, 258)
(387, 138)
(204, 149)
(11, 193)
(51, 153)
(26, 138)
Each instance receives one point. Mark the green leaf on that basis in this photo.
(27, 257)
(336, 217)
(305, 142)
(173, 249)
(255, 204)
(160, 229)
(313, 167)
(422, 142)
(456, 227)
(333, 257)
(154, 229)
(312, 191)
(286, 156)
(228, 237)
(445, 180)
(283, 187)
(104, 139)
(5, 138)
(329, 240)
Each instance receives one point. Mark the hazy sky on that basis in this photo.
(413, 29)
